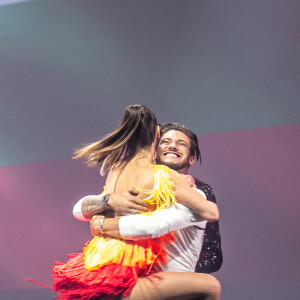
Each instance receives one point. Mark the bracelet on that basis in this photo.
(100, 227)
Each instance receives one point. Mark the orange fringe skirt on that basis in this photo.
(108, 267)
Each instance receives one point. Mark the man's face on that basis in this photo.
(174, 151)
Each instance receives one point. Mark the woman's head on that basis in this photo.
(136, 132)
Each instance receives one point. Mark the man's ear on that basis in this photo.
(191, 161)
(157, 131)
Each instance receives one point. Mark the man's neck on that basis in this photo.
(183, 171)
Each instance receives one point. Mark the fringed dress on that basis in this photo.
(110, 266)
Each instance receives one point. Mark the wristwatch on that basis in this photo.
(104, 201)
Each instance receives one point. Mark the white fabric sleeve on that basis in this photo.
(201, 193)
(77, 211)
(160, 223)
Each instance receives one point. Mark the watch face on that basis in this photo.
(105, 199)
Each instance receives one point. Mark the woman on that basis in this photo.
(111, 266)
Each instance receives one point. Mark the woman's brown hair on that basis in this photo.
(137, 131)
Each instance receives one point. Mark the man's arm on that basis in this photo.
(160, 223)
(211, 257)
(89, 206)
(147, 226)
(122, 204)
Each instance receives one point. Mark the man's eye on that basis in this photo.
(162, 142)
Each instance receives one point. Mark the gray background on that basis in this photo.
(229, 70)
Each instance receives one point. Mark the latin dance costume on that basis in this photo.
(109, 266)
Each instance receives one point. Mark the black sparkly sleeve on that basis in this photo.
(211, 257)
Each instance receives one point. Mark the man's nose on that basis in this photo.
(172, 145)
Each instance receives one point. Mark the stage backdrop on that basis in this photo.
(229, 70)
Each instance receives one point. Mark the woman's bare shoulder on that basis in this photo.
(144, 178)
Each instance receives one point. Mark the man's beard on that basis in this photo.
(173, 166)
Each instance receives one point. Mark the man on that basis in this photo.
(178, 149)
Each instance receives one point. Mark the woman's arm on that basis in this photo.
(191, 198)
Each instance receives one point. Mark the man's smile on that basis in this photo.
(171, 154)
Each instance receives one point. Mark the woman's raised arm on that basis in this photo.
(194, 200)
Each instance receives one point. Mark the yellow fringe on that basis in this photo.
(163, 194)
(103, 250)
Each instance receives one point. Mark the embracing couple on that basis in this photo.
(149, 223)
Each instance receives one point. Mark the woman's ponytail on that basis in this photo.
(136, 131)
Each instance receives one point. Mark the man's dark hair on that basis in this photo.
(194, 149)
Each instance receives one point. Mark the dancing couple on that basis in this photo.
(138, 256)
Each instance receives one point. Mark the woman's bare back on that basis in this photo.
(132, 175)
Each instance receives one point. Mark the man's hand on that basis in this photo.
(189, 179)
(94, 225)
(127, 203)
(110, 226)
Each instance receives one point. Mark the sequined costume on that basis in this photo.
(211, 257)
(184, 252)
(109, 266)
(197, 248)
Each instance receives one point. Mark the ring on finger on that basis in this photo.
(133, 212)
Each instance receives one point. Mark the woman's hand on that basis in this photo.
(189, 179)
